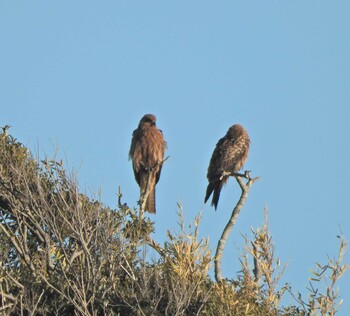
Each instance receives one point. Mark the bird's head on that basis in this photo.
(235, 131)
(149, 120)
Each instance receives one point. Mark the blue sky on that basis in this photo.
(78, 75)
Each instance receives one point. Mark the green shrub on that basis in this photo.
(63, 253)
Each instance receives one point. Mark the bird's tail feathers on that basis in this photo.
(151, 202)
(216, 187)
(216, 194)
(148, 193)
(210, 189)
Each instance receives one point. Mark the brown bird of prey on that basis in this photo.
(229, 156)
(147, 155)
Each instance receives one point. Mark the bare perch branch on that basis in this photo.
(245, 187)
(156, 247)
(144, 196)
(122, 206)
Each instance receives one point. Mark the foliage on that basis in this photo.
(62, 253)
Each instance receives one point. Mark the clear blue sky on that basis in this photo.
(80, 74)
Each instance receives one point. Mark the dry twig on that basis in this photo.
(245, 187)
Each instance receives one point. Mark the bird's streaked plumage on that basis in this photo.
(147, 155)
(230, 154)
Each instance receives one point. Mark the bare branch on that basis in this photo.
(245, 187)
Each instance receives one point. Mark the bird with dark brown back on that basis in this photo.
(229, 156)
(147, 155)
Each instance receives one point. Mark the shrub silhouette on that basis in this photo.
(63, 253)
